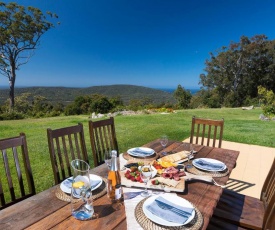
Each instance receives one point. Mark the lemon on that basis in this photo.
(78, 184)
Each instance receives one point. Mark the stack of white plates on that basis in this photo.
(209, 164)
(141, 152)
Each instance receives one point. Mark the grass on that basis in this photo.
(241, 126)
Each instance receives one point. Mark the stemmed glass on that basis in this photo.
(190, 155)
(81, 194)
(146, 174)
(164, 142)
(107, 158)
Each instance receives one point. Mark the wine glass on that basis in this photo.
(81, 194)
(145, 174)
(190, 155)
(164, 142)
(107, 158)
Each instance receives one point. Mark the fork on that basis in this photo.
(172, 209)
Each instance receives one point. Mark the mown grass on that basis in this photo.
(241, 126)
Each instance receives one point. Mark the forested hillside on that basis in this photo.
(66, 95)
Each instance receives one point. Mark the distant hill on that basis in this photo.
(67, 95)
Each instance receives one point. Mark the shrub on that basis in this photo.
(11, 116)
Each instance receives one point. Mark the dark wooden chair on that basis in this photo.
(249, 212)
(16, 179)
(66, 144)
(203, 130)
(103, 138)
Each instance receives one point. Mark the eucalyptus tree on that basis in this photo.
(235, 72)
(20, 31)
(183, 97)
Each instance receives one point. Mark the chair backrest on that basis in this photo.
(268, 198)
(206, 131)
(66, 144)
(15, 172)
(103, 138)
(268, 190)
(269, 216)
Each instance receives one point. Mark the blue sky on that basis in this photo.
(152, 43)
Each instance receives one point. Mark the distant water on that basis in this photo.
(170, 90)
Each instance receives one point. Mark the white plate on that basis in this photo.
(210, 161)
(141, 152)
(66, 185)
(172, 198)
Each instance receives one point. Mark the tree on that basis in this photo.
(267, 98)
(183, 97)
(20, 31)
(236, 71)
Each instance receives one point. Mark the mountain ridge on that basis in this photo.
(67, 95)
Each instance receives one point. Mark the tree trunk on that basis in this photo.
(12, 81)
(11, 96)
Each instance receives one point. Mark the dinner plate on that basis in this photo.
(209, 160)
(141, 152)
(95, 181)
(172, 198)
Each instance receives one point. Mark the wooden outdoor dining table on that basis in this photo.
(45, 211)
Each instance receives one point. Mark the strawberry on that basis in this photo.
(155, 182)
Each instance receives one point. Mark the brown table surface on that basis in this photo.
(46, 211)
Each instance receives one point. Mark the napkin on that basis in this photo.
(141, 152)
(167, 214)
(209, 165)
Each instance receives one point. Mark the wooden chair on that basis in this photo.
(66, 144)
(203, 130)
(103, 138)
(249, 212)
(15, 174)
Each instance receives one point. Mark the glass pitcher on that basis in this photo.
(81, 194)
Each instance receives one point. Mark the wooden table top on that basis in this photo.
(46, 211)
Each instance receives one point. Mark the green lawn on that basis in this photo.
(241, 126)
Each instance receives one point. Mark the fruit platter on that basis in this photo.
(166, 175)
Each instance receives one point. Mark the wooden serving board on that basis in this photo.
(128, 183)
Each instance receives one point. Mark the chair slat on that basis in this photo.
(8, 174)
(18, 170)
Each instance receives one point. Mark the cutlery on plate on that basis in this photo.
(172, 209)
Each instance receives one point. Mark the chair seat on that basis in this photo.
(241, 210)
